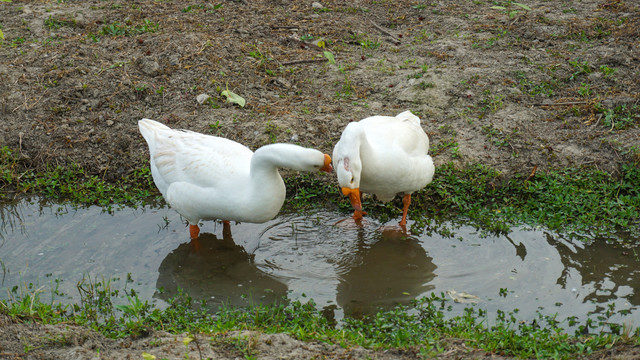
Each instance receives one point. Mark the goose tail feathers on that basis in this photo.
(409, 116)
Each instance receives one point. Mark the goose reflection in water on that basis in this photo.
(393, 269)
(218, 271)
(606, 271)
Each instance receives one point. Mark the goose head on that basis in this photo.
(348, 172)
(326, 167)
(348, 167)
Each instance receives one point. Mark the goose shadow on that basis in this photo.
(218, 271)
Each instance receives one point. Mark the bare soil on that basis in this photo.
(547, 88)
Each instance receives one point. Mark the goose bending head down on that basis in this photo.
(383, 155)
(206, 177)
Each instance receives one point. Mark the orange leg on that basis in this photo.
(194, 230)
(226, 229)
(406, 201)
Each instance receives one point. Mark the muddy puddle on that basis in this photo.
(347, 270)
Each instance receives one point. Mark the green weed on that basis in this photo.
(580, 68)
(496, 136)
(365, 41)
(546, 87)
(216, 128)
(120, 29)
(607, 71)
(619, 117)
(206, 8)
(309, 191)
(490, 104)
(423, 70)
(511, 8)
(346, 90)
(585, 90)
(53, 23)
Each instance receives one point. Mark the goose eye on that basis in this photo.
(352, 179)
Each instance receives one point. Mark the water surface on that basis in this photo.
(348, 269)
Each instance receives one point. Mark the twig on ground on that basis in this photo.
(306, 61)
(561, 104)
(384, 31)
(533, 173)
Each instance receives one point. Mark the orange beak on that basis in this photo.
(327, 164)
(354, 197)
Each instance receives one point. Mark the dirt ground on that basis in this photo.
(551, 87)
(511, 93)
(73, 342)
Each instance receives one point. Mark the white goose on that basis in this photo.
(383, 155)
(205, 177)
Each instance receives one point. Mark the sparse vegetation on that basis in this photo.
(512, 8)
(124, 29)
(427, 330)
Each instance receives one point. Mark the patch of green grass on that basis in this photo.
(272, 130)
(425, 327)
(571, 200)
(441, 146)
(423, 70)
(264, 60)
(216, 128)
(607, 71)
(619, 117)
(72, 183)
(309, 190)
(16, 42)
(581, 201)
(585, 90)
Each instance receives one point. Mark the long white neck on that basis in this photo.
(266, 184)
(354, 144)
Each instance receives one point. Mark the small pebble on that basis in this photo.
(202, 98)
